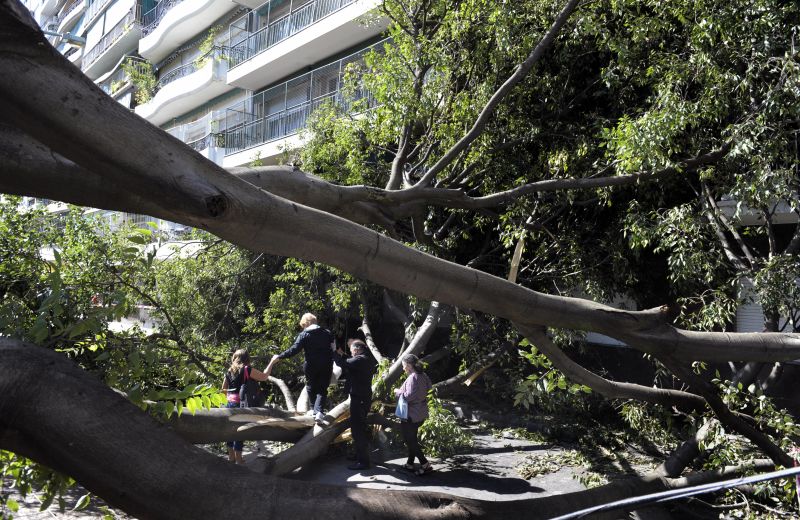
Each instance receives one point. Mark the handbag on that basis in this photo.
(402, 408)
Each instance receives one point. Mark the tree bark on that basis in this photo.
(287, 394)
(461, 379)
(239, 424)
(44, 95)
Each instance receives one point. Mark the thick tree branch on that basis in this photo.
(73, 423)
(464, 377)
(483, 118)
(725, 415)
(604, 387)
(366, 204)
(287, 394)
(376, 353)
(730, 227)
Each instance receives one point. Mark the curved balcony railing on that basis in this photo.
(216, 52)
(282, 28)
(68, 8)
(124, 25)
(153, 17)
(282, 124)
(207, 141)
(119, 78)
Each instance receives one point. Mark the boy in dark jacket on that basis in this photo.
(318, 345)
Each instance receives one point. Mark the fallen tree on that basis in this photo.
(68, 141)
(74, 423)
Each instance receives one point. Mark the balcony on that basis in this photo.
(46, 9)
(70, 14)
(295, 37)
(743, 215)
(172, 22)
(260, 125)
(94, 9)
(113, 45)
(117, 83)
(203, 135)
(187, 87)
(74, 55)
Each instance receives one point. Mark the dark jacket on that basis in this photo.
(359, 371)
(317, 344)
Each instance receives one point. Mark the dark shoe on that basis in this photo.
(424, 470)
(358, 466)
(409, 466)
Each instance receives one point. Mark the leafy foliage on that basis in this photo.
(440, 435)
(143, 78)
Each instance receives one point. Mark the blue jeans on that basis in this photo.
(236, 445)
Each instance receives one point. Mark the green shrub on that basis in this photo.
(440, 434)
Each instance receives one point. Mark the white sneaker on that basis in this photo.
(320, 419)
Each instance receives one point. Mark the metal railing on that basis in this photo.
(282, 28)
(153, 17)
(216, 52)
(274, 126)
(206, 142)
(126, 24)
(119, 78)
(281, 124)
(275, 113)
(95, 8)
(68, 8)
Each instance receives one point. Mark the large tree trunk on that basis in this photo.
(120, 162)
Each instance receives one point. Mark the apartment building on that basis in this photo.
(234, 79)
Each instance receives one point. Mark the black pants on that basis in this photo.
(318, 377)
(359, 407)
(409, 431)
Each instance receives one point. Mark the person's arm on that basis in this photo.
(399, 391)
(258, 375)
(339, 359)
(225, 383)
(272, 363)
(289, 352)
(296, 347)
(412, 390)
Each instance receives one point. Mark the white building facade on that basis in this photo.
(234, 79)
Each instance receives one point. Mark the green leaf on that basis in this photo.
(47, 502)
(82, 502)
(138, 239)
(12, 505)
